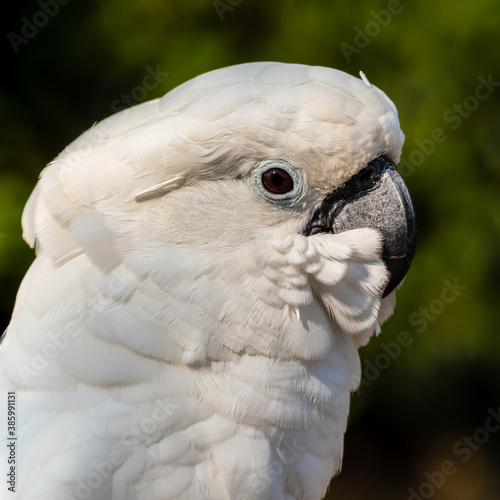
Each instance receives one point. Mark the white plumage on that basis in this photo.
(177, 336)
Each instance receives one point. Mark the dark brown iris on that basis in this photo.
(277, 181)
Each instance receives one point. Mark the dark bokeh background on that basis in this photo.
(427, 393)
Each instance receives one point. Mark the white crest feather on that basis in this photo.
(160, 189)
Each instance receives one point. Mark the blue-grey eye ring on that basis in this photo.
(279, 182)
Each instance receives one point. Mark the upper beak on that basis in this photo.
(375, 197)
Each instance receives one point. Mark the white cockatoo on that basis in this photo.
(207, 265)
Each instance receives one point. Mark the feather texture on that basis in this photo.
(177, 337)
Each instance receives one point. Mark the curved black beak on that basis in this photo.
(375, 197)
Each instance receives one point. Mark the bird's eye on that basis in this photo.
(277, 181)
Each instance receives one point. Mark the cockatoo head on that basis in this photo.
(278, 176)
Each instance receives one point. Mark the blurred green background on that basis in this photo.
(427, 394)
